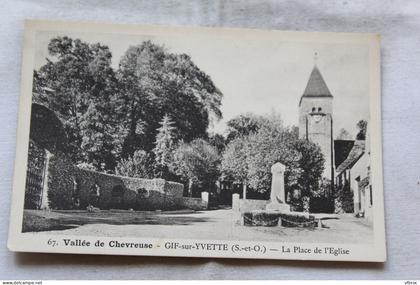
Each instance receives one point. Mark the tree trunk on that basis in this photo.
(244, 190)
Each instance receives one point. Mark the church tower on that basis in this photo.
(315, 118)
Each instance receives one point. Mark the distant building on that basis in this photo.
(353, 175)
(346, 161)
(316, 118)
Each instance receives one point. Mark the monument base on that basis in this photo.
(275, 206)
(273, 218)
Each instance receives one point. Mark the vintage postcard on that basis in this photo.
(199, 142)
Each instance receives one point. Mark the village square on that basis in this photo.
(127, 151)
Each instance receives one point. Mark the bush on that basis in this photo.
(344, 203)
(139, 165)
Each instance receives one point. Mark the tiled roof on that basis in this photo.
(316, 86)
(356, 152)
(342, 149)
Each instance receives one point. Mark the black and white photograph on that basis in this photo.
(180, 136)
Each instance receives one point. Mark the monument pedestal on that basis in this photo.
(275, 206)
(277, 212)
(277, 195)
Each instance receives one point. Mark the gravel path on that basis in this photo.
(223, 225)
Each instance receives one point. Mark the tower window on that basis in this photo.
(313, 109)
(319, 109)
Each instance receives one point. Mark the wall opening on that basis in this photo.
(117, 194)
(142, 193)
(117, 191)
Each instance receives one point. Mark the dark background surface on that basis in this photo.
(398, 22)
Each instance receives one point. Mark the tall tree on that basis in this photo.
(244, 125)
(269, 145)
(218, 141)
(198, 163)
(344, 135)
(234, 165)
(234, 162)
(311, 162)
(156, 82)
(249, 158)
(138, 74)
(362, 126)
(165, 144)
(76, 82)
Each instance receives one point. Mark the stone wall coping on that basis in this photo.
(193, 198)
(128, 177)
(274, 212)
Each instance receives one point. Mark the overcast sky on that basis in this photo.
(258, 75)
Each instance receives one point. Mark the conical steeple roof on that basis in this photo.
(316, 86)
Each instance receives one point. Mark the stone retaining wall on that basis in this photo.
(70, 187)
(195, 203)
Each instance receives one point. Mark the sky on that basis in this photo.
(256, 74)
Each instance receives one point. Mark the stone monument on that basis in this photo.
(277, 195)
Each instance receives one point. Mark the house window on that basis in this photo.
(319, 109)
(313, 109)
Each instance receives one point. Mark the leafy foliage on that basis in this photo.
(270, 145)
(344, 135)
(218, 141)
(250, 157)
(311, 163)
(165, 145)
(78, 77)
(139, 165)
(244, 125)
(199, 162)
(154, 83)
(86, 166)
(234, 165)
(345, 199)
(113, 119)
(362, 126)
(109, 114)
